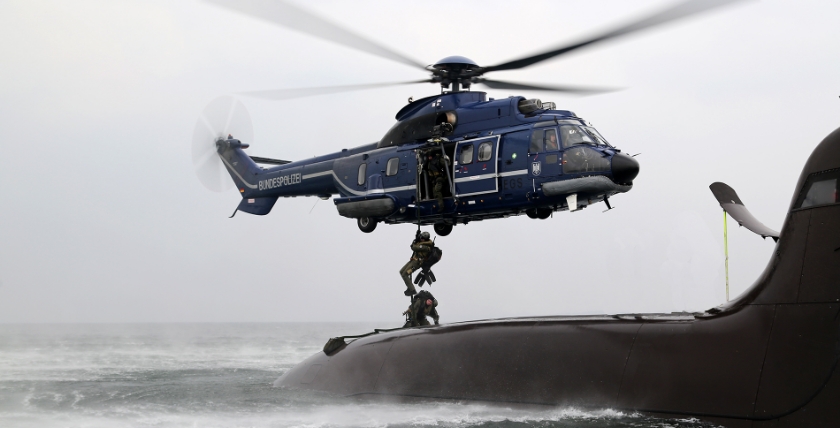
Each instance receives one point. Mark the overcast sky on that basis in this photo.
(103, 219)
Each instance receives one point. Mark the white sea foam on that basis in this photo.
(449, 416)
(162, 376)
(332, 416)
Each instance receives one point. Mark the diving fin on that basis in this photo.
(731, 203)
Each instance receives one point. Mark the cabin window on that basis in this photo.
(466, 154)
(573, 135)
(485, 151)
(393, 166)
(362, 173)
(820, 189)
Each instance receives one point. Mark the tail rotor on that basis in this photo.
(222, 117)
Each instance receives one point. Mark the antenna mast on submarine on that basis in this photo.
(726, 254)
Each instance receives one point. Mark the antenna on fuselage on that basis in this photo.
(607, 201)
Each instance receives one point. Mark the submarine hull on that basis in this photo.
(734, 367)
(766, 359)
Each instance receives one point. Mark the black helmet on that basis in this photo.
(425, 235)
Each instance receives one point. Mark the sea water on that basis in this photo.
(219, 375)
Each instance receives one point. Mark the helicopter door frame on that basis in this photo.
(470, 179)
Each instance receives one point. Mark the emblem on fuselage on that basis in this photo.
(536, 168)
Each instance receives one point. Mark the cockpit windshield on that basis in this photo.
(597, 136)
(572, 135)
(821, 188)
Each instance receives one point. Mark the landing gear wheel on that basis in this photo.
(366, 224)
(543, 213)
(443, 229)
(531, 213)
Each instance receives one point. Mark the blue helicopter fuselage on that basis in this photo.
(504, 157)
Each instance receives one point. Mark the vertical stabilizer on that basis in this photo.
(241, 168)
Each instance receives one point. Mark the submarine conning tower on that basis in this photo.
(805, 266)
(767, 359)
(799, 376)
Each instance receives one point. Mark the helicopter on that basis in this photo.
(503, 157)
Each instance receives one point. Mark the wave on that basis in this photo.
(221, 376)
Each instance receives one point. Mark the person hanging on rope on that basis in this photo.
(421, 247)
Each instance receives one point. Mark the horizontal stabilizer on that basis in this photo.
(731, 203)
(257, 206)
(269, 161)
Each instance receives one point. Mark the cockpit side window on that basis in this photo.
(537, 144)
(466, 154)
(550, 140)
(362, 173)
(820, 188)
(536, 141)
(544, 140)
(573, 135)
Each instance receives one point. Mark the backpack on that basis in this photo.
(426, 275)
(434, 256)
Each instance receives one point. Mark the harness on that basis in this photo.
(419, 255)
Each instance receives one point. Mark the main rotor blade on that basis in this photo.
(680, 10)
(582, 90)
(285, 94)
(289, 16)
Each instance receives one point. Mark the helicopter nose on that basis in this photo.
(624, 168)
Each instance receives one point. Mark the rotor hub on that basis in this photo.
(455, 61)
(454, 70)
